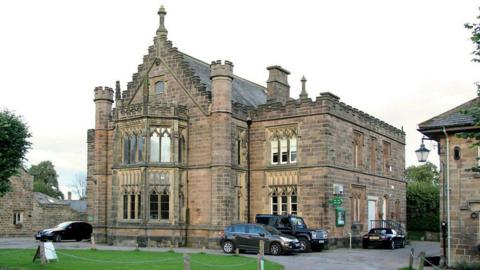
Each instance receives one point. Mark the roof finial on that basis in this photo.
(304, 93)
(161, 28)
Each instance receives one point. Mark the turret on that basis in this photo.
(278, 88)
(221, 76)
(103, 105)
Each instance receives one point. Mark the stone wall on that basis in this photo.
(19, 200)
(49, 215)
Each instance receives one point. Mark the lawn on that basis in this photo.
(104, 260)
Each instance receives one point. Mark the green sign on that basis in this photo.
(339, 216)
(337, 201)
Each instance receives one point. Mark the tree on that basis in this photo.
(423, 207)
(13, 147)
(45, 179)
(79, 186)
(426, 173)
(474, 111)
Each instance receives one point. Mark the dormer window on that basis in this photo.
(159, 87)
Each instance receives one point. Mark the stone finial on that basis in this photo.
(304, 93)
(162, 31)
(118, 94)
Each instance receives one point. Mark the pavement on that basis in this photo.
(333, 259)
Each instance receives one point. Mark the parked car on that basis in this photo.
(70, 230)
(295, 226)
(246, 237)
(384, 237)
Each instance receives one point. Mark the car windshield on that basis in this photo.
(272, 230)
(380, 231)
(63, 225)
(297, 222)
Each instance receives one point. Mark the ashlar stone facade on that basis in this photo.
(190, 148)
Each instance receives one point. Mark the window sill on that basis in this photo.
(288, 165)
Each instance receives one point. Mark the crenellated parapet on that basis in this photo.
(103, 93)
(326, 103)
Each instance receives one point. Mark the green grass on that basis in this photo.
(415, 235)
(105, 260)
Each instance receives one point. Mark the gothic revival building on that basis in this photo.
(190, 148)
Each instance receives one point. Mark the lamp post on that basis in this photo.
(422, 155)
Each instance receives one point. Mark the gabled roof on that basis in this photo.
(451, 118)
(244, 91)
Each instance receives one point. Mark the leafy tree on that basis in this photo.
(474, 111)
(13, 147)
(423, 207)
(426, 173)
(45, 179)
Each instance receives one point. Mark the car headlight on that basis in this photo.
(285, 239)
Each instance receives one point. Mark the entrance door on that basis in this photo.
(372, 210)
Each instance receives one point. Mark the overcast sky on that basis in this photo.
(401, 61)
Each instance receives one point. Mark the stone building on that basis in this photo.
(16, 207)
(190, 148)
(457, 162)
(49, 212)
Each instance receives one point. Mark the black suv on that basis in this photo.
(246, 237)
(295, 226)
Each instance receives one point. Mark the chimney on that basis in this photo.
(69, 196)
(278, 88)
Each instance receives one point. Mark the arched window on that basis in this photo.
(133, 148)
(159, 87)
(181, 149)
(141, 142)
(153, 205)
(126, 149)
(165, 146)
(164, 205)
(155, 147)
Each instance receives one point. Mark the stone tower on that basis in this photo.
(221, 122)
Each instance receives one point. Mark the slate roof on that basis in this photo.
(451, 118)
(244, 91)
(77, 205)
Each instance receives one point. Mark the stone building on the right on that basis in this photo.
(457, 158)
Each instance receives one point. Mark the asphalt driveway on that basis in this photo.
(341, 259)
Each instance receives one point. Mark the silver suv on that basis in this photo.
(246, 237)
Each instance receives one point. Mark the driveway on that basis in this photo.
(335, 259)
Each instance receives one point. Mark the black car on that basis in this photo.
(70, 230)
(384, 237)
(246, 237)
(295, 226)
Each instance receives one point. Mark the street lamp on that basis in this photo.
(422, 155)
(422, 152)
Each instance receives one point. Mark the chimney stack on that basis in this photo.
(278, 88)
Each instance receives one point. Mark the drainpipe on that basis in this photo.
(249, 123)
(447, 171)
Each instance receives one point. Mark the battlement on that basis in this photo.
(103, 93)
(326, 103)
(217, 69)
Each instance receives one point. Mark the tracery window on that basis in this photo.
(160, 145)
(133, 147)
(283, 200)
(283, 146)
(130, 197)
(131, 205)
(159, 205)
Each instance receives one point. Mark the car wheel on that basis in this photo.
(403, 243)
(392, 244)
(304, 244)
(57, 238)
(228, 247)
(275, 249)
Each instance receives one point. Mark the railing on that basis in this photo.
(386, 223)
